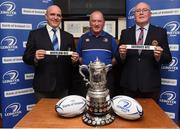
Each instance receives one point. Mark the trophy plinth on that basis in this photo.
(98, 120)
(98, 108)
(98, 99)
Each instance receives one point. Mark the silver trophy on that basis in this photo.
(98, 99)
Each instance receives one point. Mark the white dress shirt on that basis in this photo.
(51, 33)
(145, 31)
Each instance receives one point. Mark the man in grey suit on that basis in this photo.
(53, 74)
(140, 69)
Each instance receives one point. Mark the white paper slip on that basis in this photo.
(59, 53)
(140, 47)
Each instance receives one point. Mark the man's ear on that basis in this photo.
(45, 16)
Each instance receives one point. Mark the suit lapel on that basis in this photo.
(132, 39)
(63, 41)
(47, 40)
(133, 35)
(148, 40)
(149, 35)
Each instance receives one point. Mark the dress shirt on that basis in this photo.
(51, 33)
(138, 30)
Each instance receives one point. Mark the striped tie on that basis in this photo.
(140, 39)
(55, 40)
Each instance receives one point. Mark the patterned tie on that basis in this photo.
(140, 39)
(55, 40)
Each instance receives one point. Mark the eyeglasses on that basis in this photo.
(145, 10)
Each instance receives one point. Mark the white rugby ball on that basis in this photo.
(127, 107)
(71, 106)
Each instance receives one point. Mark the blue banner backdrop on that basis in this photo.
(167, 15)
(18, 17)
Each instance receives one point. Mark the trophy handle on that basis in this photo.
(81, 67)
(108, 67)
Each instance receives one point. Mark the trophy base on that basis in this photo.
(98, 120)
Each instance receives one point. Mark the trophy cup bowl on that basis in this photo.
(98, 99)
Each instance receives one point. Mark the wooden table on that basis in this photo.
(43, 115)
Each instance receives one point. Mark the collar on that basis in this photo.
(49, 28)
(101, 34)
(146, 27)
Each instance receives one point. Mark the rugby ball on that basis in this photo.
(127, 107)
(71, 106)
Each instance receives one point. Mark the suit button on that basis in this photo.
(139, 59)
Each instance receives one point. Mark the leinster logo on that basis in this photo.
(168, 97)
(131, 13)
(87, 40)
(13, 110)
(173, 65)
(173, 28)
(124, 105)
(42, 24)
(9, 43)
(7, 8)
(174, 62)
(105, 40)
(46, 1)
(11, 77)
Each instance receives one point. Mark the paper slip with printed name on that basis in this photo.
(140, 47)
(59, 53)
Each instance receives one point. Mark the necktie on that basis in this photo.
(55, 40)
(140, 39)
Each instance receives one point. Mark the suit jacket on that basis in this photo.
(50, 72)
(143, 71)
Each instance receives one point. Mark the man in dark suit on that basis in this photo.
(140, 75)
(53, 74)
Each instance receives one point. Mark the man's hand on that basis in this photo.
(40, 54)
(122, 51)
(75, 57)
(157, 53)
